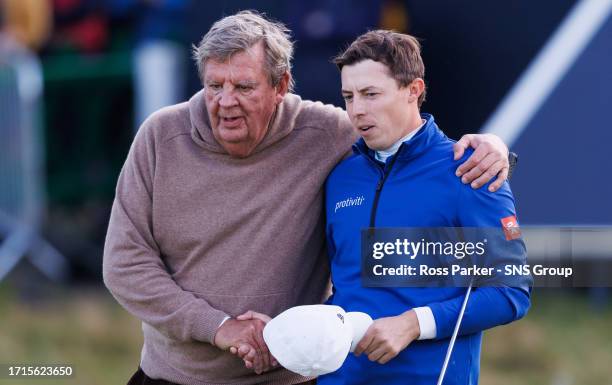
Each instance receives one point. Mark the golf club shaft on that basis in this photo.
(449, 351)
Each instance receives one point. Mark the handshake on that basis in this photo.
(243, 336)
(315, 339)
(309, 340)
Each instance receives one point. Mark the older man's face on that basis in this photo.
(240, 100)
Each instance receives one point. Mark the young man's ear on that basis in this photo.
(283, 87)
(415, 88)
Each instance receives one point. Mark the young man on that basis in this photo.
(403, 171)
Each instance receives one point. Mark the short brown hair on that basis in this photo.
(401, 53)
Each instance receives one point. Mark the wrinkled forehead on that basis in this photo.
(243, 63)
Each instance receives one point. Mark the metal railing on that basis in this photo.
(22, 199)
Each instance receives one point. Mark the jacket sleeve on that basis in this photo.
(133, 269)
(487, 306)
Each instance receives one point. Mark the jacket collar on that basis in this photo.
(417, 145)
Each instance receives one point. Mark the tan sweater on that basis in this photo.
(196, 235)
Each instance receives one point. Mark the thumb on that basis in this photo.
(460, 146)
(254, 315)
(246, 316)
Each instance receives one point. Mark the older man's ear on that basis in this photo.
(283, 87)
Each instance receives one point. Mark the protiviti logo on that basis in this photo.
(348, 202)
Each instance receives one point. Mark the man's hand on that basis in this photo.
(247, 352)
(387, 337)
(489, 159)
(246, 336)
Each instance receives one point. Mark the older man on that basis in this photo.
(219, 209)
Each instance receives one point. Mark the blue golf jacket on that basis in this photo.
(416, 187)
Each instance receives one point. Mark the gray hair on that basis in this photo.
(241, 31)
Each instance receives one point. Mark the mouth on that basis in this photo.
(230, 121)
(365, 128)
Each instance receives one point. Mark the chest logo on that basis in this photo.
(348, 202)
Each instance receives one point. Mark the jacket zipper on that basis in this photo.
(379, 187)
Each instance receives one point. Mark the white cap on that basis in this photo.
(360, 322)
(313, 340)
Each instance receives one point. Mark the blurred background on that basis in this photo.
(77, 77)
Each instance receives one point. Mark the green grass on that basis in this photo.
(561, 341)
(87, 330)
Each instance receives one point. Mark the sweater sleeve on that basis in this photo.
(342, 134)
(487, 306)
(133, 267)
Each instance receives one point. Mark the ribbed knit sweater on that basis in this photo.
(196, 235)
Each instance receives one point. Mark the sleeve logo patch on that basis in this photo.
(511, 228)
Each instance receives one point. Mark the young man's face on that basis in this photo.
(381, 112)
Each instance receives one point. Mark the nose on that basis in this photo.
(358, 106)
(227, 98)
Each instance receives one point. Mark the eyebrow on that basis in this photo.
(361, 90)
(250, 83)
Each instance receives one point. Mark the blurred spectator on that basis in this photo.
(80, 25)
(27, 21)
(394, 16)
(159, 59)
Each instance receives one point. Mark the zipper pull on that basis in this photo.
(380, 184)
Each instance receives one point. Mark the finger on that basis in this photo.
(386, 358)
(264, 317)
(273, 360)
(254, 315)
(246, 351)
(251, 356)
(477, 156)
(258, 362)
(480, 168)
(501, 177)
(255, 356)
(245, 316)
(248, 364)
(461, 145)
(255, 339)
(263, 348)
(493, 170)
(377, 354)
(365, 342)
(233, 350)
(260, 358)
(472, 161)
(374, 345)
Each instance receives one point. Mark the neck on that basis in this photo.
(415, 123)
(383, 155)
